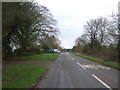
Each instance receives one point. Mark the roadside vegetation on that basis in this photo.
(28, 32)
(41, 57)
(101, 61)
(25, 76)
(21, 76)
(28, 29)
(101, 39)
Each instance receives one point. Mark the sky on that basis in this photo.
(72, 15)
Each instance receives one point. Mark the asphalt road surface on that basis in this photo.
(70, 71)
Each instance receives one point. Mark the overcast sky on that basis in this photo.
(71, 15)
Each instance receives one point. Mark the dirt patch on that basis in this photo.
(48, 64)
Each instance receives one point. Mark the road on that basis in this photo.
(70, 71)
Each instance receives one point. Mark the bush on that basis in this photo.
(86, 49)
(22, 52)
(18, 52)
(103, 52)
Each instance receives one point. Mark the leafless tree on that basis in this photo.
(101, 31)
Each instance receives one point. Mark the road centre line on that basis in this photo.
(101, 82)
(80, 65)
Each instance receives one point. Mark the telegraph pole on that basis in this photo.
(118, 45)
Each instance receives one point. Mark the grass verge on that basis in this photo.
(38, 57)
(101, 61)
(21, 76)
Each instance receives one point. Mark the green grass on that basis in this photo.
(108, 63)
(39, 57)
(21, 76)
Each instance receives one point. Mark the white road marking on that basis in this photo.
(80, 65)
(107, 68)
(93, 66)
(73, 59)
(102, 67)
(89, 66)
(86, 66)
(102, 82)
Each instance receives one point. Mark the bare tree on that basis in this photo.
(91, 30)
(101, 31)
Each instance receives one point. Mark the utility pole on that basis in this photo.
(118, 45)
(119, 16)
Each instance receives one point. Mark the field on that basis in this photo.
(21, 76)
(25, 76)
